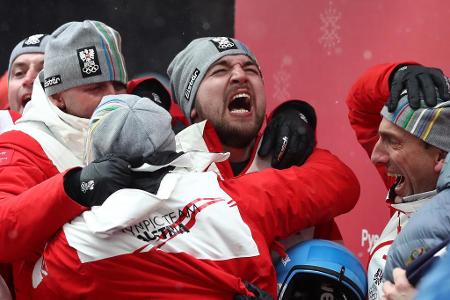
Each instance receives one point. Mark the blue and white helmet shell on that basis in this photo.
(322, 258)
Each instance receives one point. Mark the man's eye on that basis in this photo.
(393, 142)
(252, 70)
(18, 73)
(218, 71)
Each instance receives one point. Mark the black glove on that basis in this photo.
(150, 181)
(91, 185)
(259, 293)
(418, 80)
(290, 135)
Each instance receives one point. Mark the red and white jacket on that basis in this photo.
(198, 237)
(33, 204)
(365, 101)
(203, 137)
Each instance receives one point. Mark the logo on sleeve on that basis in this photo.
(223, 43)
(5, 156)
(88, 60)
(51, 81)
(33, 41)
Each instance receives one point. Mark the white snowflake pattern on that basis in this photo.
(330, 28)
(282, 81)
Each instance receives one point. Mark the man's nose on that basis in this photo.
(379, 154)
(238, 74)
(29, 77)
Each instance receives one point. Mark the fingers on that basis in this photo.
(396, 90)
(400, 279)
(441, 83)
(401, 290)
(267, 143)
(428, 89)
(412, 85)
(388, 290)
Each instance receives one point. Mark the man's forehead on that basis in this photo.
(232, 59)
(387, 128)
(29, 58)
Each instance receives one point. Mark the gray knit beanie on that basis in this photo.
(128, 124)
(188, 68)
(83, 53)
(33, 44)
(430, 124)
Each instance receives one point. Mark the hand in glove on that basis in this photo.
(260, 294)
(290, 134)
(418, 80)
(91, 185)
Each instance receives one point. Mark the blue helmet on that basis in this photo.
(320, 269)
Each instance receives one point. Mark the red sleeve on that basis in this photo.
(33, 204)
(283, 202)
(365, 101)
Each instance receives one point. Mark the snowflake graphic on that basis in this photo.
(282, 81)
(330, 28)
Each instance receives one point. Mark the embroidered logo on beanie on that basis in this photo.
(51, 81)
(187, 92)
(89, 65)
(33, 41)
(223, 43)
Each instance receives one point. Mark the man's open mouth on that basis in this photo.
(240, 103)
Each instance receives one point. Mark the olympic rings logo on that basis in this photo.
(91, 69)
(225, 44)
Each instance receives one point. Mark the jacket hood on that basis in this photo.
(69, 130)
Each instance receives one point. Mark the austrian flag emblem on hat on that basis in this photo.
(89, 65)
(223, 43)
(33, 41)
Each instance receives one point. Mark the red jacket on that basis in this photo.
(33, 205)
(225, 241)
(202, 136)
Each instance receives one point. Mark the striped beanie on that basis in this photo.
(33, 44)
(83, 53)
(430, 124)
(188, 68)
(128, 124)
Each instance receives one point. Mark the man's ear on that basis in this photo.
(58, 100)
(194, 115)
(440, 159)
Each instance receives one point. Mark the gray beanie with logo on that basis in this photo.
(33, 44)
(188, 68)
(83, 53)
(128, 124)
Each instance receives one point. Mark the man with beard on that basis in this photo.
(219, 86)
